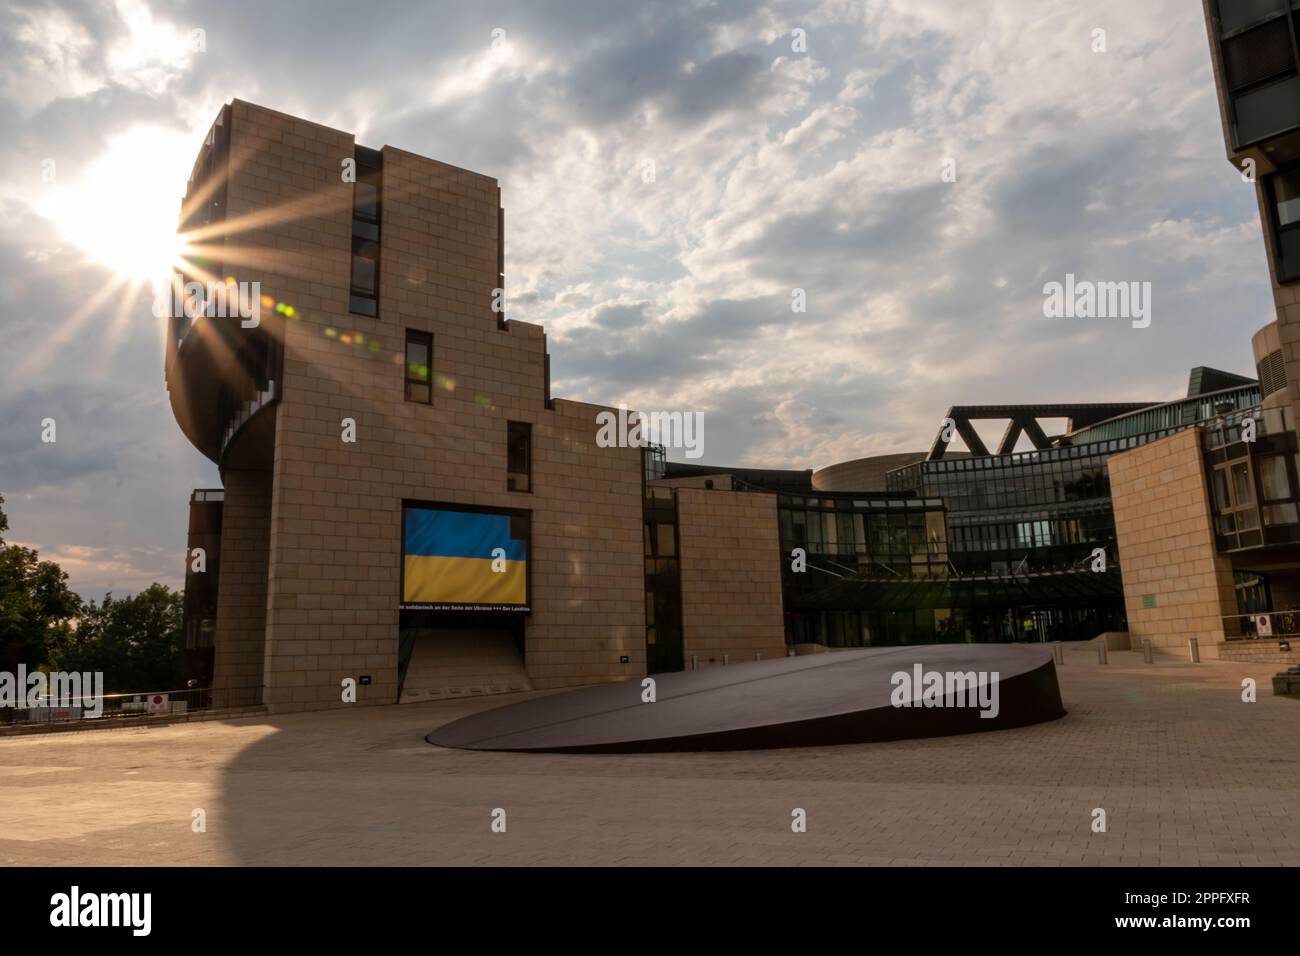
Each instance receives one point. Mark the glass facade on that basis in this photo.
(899, 536)
(1254, 483)
(1165, 419)
(958, 625)
(899, 568)
(1011, 547)
(1027, 480)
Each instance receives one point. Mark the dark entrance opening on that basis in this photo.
(460, 654)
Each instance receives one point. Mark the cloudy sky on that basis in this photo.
(775, 169)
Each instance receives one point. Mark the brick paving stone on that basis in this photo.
(1186, 772)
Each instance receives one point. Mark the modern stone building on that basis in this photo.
(407, 512)
(1207, 519)
(379, 377)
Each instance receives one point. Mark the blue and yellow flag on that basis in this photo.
(448, 559)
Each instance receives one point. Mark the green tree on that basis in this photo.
(135, 641)
(36, 605)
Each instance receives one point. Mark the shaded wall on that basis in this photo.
(731, 575)
(1176, 586)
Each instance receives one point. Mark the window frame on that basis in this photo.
(366, 229)
(513, 430)
(1231, 96)
(1276, 229)
(416, 336)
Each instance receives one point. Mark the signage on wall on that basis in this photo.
(1148, 600)
(464, 559)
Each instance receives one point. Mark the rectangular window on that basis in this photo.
(799, 528)
(1257, 55)
(1266, 110)
(519, 456)
(1219, 487)
(1236, 14)
(814, 532)
(1242, 487)
(365, 199)
(1283, 191)
(419, 359)
(830, 533)
(366, 212)
(1281, 514)
(365, 267)
(1274, 482)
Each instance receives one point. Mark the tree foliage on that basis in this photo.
(36, 605)
(135, 641)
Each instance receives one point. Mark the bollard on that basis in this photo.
(1058, 652)
(1146, 650)
(726, 659)
(1196, 650)
(758, 655)
(695, 662)
(1101, 652)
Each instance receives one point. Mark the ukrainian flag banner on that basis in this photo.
(463, 558)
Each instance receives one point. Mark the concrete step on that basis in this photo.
(1261, 650)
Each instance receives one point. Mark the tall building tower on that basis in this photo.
(403, 500)
(1256, 58)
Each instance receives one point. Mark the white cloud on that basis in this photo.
(774, 169)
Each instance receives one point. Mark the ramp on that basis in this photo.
(467, 662)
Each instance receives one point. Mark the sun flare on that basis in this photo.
(122, 209)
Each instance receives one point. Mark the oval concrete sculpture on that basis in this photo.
(843, 697)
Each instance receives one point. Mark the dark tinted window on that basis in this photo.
(1235, 14)
(1257, 54)
(419, 359)
(365, 273)
(1267, 110)
(519, 456)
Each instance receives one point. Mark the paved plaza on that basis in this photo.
(1186, 772)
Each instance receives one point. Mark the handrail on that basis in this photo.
(122, 705)
(1262, 625)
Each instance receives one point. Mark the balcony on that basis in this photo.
(221, 379)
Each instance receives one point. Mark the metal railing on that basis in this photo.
(1264, 625)
(1226, 429)
(241, 416)
(174, 703)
